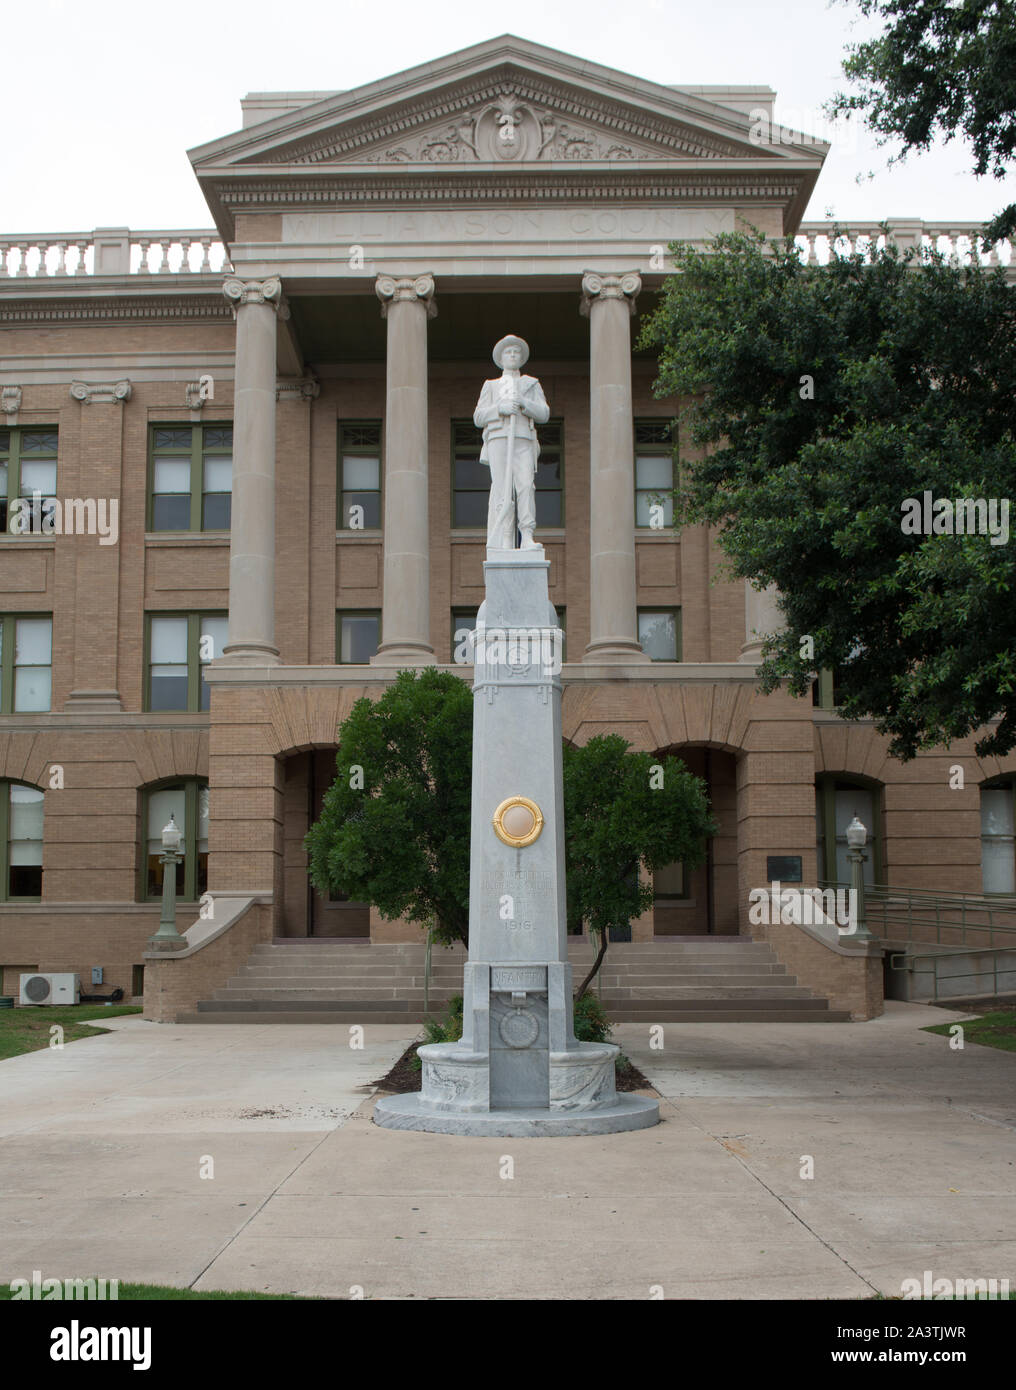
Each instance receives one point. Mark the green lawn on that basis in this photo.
(27, 1030)
(997, 1029)
(157, 1293)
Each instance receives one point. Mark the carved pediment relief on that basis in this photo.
(511, 121)
(512, 130)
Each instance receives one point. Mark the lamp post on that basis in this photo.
(857, 836)
(167, 938)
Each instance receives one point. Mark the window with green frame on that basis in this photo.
(26, 662)
(471, 478)
(660, 633)
(27, 470)
(838, 799)
(654, 473)
(190, 477)
(357, 635)
(359, 481)
(178, 647)
(464, 623)
(21, 814)
(998, 837)
(187, 801)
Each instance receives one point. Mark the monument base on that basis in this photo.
(625, 1112)
(457, 1096)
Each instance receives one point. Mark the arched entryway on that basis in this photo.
(704, 901)
(305, 911)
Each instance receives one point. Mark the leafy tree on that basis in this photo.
(623, 811)
(395, 825)
(941, 67)
(826, 397)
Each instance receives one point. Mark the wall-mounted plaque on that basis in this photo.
(783, 868)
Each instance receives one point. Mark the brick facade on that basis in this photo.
(264, 746)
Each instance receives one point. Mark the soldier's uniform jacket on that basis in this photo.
(495, 426)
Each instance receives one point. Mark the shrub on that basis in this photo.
(591, 1024)
(448, 1029)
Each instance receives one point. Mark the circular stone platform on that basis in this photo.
(408, 1112)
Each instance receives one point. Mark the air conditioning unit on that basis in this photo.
(50, 989)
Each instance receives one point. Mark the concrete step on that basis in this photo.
(644, 1008)
(675, 979)
(364, 1007)
(779, 990)
(399, 990)
(390, 992)
(348, 1016)
(736, 1015)
(210, 1013)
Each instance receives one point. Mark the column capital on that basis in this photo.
(305, 388)
(391, 289)
(600, 287)
(239, 291)
(104, 392)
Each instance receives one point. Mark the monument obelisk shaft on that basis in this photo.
(518, 1068)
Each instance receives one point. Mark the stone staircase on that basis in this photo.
(713, 979)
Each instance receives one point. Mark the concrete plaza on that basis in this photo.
(102, 1147)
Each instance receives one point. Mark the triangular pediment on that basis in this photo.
(506, 101)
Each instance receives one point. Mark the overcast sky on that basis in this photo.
(101, 103)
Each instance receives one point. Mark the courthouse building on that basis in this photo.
(260, 438)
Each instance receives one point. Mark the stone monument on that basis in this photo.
(518, 1068)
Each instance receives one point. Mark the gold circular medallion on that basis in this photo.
(518, 821)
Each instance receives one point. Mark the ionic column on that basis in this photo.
(762, 617)
(252, 528)
(609, 302)
(406, 303)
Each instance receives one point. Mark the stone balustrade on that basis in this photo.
(962, 239)
(112, 251)
(120, 251)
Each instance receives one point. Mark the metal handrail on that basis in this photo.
(903, 961)
(894, 913)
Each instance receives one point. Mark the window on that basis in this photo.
(669, 883)
(28, 471)
(837, 801)
(549, 480)
(827, 691)
(464, 623)
(191, 477)
(357, 636)
(654, 473)
(26, 663)
(180, 645)
(824, 694)
(998, 860)
(359, 489)
(187, 802)
(471, 479)
(660, 633)
(20, 842)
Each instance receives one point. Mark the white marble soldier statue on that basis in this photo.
(508, 411)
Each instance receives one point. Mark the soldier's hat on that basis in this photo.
(511, 341)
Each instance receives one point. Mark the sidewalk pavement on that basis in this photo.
(913, 1149)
